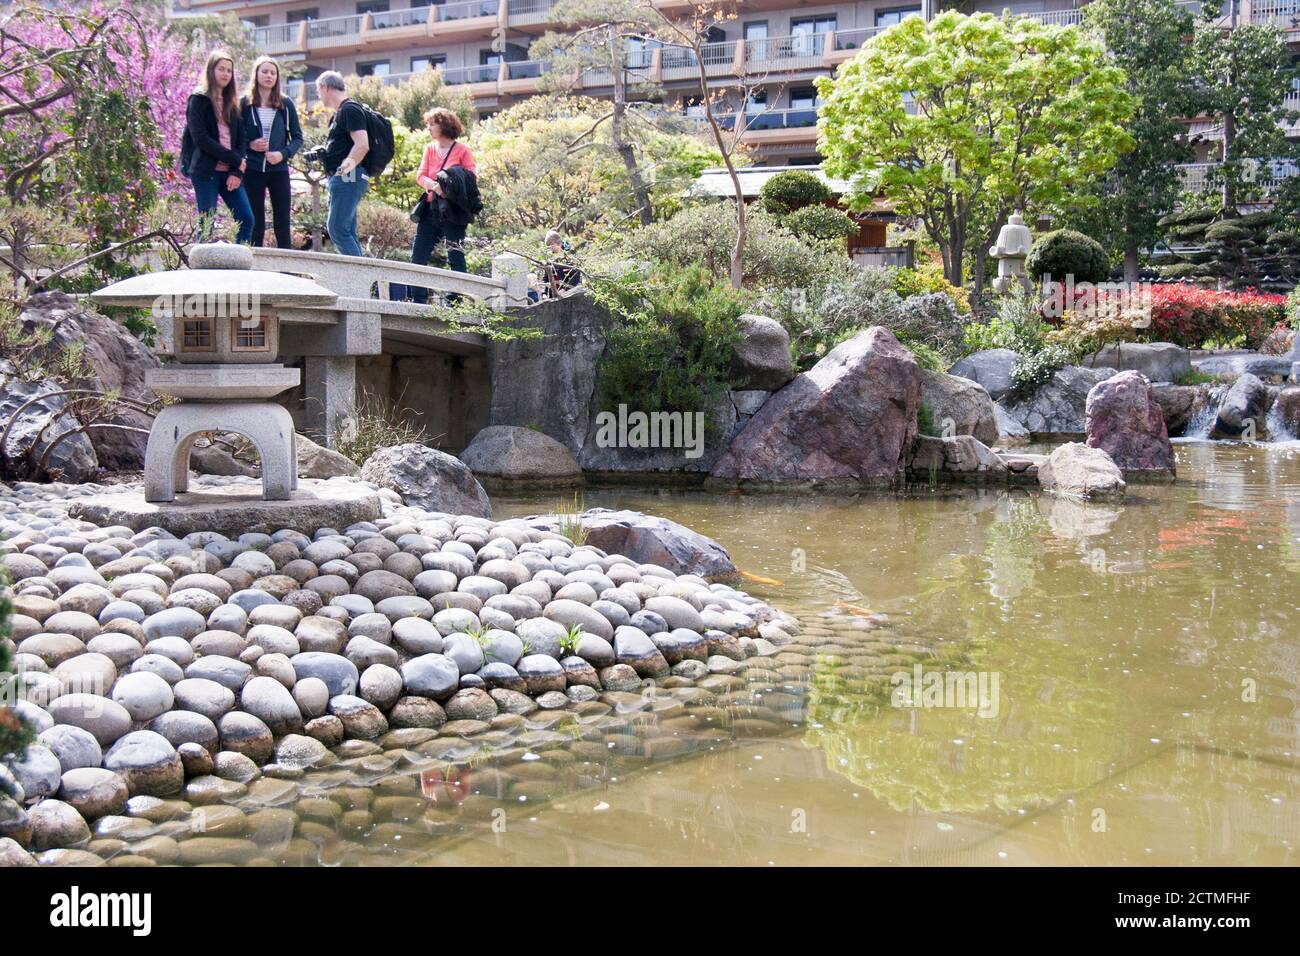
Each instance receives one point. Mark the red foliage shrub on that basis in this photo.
(1190, 316)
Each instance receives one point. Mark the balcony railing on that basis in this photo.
(525, 69)
(795, 118)
(1057, 18)
(467, 10)
(1280, 13)
(792, 52)
(853, 39)
(1198, 177)
(486, 73)
(334, 27)
(277, 39)
(415, 16)
(523, 12)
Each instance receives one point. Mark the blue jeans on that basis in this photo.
(345, 196)
(207, 190)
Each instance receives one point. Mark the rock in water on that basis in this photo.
(959, 406)
(762, 356)
(961, 457)
(1242, 411)
(510, 453)
(427, 478)
(1078, 471)
(849, 419)
(647, 539)
(1179, 403)
(1126, 422)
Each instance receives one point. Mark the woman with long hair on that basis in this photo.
(436, 232)
(212, 150)
(271, 126)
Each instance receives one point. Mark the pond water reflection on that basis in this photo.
(1147, 683)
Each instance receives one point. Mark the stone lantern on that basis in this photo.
(220, 319)
(1011, 251)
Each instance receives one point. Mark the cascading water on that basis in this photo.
(1278, 429)
(1201, 423)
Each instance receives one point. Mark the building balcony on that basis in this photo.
(392, 29)
(1283, 14)
(1198, 177)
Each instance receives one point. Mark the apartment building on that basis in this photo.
(482, 47)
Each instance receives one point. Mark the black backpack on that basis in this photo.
(382, 147)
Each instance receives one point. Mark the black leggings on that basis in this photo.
(257, 184)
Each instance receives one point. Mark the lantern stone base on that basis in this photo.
(236, 506)
(175, 429)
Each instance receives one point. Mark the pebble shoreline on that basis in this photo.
(294, 698)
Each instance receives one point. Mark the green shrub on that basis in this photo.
(1066, 252)
(703, 235)
(793, 189)
(825, 311)
(928, 358)
(1034, 369)
(672, 347)
(820, 222)
(1227, 231)
(925, 279)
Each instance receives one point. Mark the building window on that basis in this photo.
(887, 18)
(298, 16)
(196, 335)
(804, 99)
(421, 63)
(807, 34)
(256, 22)
(377, 68)
(372, 6)
(249, 335)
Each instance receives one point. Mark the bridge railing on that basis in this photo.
(364, 278)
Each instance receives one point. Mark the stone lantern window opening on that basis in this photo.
(197, 335)
(249, 335)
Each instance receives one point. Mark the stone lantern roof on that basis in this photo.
(217, 271)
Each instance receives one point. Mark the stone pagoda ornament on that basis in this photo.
(1011, 251)
(219, 317)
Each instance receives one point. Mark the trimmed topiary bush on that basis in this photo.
(793, 189)
(820, 222)
(1067, 252)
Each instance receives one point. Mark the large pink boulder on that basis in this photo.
(1126, 422)
(850, 419)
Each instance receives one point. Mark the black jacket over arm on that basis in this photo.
(201, 147)
(285, 134)
(460, 201)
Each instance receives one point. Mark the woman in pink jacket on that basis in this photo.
(433, 234)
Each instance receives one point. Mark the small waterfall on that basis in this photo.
(1278, 430)
(1201, 423)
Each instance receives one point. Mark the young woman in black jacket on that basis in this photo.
(212, 151)
(271, 125)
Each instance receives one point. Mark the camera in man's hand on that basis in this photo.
(315, 155)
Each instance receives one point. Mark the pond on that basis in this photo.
(1144, 657)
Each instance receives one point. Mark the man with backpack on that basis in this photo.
(353, 149)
